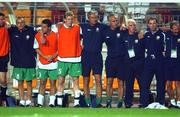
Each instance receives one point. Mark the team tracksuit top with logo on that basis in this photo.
(22, 51)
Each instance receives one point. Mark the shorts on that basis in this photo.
(43, 74)
(4, 63)
(21, 74)
(73, 69)
(91, 61)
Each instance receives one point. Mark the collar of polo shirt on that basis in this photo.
(67, 26)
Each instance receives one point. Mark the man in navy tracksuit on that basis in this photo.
(134, 61)
(172, 66)
(91, 55)
(116, 51)
(23, 58)
(154, 63)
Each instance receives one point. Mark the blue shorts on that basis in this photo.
(91, 61)
(4, 63)
(172, 72)
(115, 68)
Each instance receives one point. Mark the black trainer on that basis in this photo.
(59, 106)
(108, 104)
(127, 106)
(99, 106)
(120, 104)
(51, 105)
(76, 106)
(39, 105)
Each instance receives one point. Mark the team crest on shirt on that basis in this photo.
(148, 36)
(118, 35)
(17, 76)
(88, 29)
(136, 40)
(107, 37)
(27, 37)
(178, 40)
(167, 38)
(97, 29)
(16, 36)
(158, 37)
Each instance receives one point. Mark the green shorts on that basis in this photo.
(73, 69)
(44, 74)
(24, 74)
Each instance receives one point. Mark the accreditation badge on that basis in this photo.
(131, 53)
(174, 53)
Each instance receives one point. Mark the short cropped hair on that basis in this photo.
(173, 23)
(47, 22)
(68, 13)
(132, 20)
(152, 18)
(20, 18)
(92, 12)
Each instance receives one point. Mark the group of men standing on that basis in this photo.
(130, 55)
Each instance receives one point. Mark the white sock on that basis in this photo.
(22, 102)
(28, 102)
(59, 98)
(40, 99)
(76, 97)
(52, 100)
(178, 104)
(173, 102)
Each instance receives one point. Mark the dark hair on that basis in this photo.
(152, 18)
(68, 13)
(2, 14)
(47, 21)
(173, 23)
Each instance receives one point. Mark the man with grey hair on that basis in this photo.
(23, 58)
(134, 61)
(91, 55)
(115, 60)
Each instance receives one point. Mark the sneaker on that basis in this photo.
(52, 101)
(51, 105)
(120, 104)
(88, 105)
(178, 104)
(76, 106)
(173, 103)
(59, 106)
(140, 106)
(99, 106)
(108, 104)
(39, 105)
(28, 103)
(127, 106)
(22, 103)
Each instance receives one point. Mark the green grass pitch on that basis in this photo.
(86, 112)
